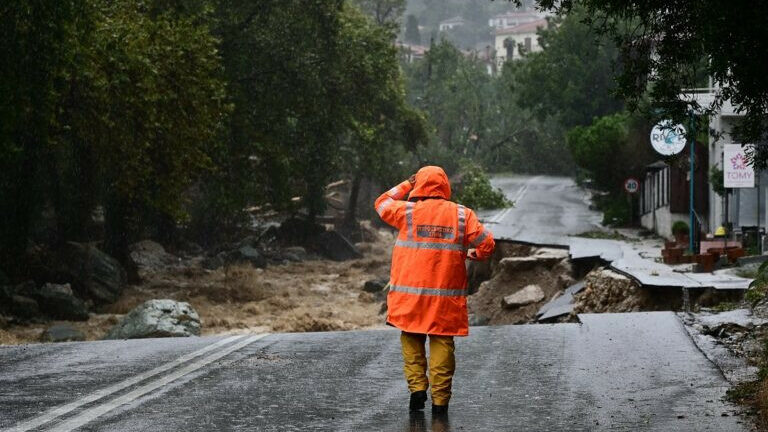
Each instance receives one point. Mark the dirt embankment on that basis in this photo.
(513, 269)
(312, 295)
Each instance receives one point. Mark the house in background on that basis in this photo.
(746, 207)
(412, 52)
(665, 192)
(513, 19)
(511, 43)
(451, 23)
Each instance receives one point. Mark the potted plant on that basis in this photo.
(680, 231)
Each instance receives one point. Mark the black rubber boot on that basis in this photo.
(439, 410)
(417, 400)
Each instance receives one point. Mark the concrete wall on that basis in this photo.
(664, 221)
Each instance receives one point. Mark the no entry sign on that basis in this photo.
(631, 185)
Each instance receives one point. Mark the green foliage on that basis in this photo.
(703, 44)
(716, 180)
(412, 34)
(571, 78)
(759, 286)
(680, 227)
(475, 116)
(476, 191)
(181, 114)
(615, 208)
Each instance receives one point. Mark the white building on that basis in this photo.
(746, 206)
(450, 23)
(513, 19)
(511, 43)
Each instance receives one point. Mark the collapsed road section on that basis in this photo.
(525, 283)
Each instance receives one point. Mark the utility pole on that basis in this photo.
(691, 229)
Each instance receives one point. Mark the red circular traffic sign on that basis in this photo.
(631, 185)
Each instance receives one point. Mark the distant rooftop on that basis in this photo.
(529, 27)
(518, 14)
(454, 20)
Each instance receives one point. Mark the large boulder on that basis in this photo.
(93, 273)
(529, 294)
(62, 333)
(333, 245)
(150, 256)
(248, 254)
(17, 305)
(59, 302)
(158, 318)
(242, 255)
(16, 302)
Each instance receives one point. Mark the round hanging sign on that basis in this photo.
(668, 139)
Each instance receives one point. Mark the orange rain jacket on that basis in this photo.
(428, 279)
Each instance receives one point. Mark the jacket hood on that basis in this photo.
(432, 182)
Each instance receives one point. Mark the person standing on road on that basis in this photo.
(428, 279)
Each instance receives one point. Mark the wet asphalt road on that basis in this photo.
(547, 210)
(614, 372)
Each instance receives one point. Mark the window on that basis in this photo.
(527, 45)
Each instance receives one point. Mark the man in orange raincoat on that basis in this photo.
(428, 279)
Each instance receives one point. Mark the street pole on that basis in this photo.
(691, 229)
(757, 219)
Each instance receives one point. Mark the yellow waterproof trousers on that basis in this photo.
(442, 364)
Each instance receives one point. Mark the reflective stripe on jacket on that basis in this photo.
(428, 279)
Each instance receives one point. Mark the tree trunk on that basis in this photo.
(350, 217)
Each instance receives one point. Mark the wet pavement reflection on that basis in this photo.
(417, 422)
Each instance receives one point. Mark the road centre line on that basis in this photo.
(498, 217)
(92, 413)
(99, 394)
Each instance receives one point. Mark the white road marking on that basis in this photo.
(67, 408)
(498, 217)
(91, 414)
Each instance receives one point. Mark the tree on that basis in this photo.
(385, 13)
(35, 41)
(669, 46)
(571, 79)
(155, 105)
(412, 34)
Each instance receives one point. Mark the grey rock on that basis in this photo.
(15, 301)
(545, 257)
(62, 333)
(478, 320)
(158, 318)
(23, 307)
(95, 274)
(150, 256)
(248, 254)
(215, 262)
(375, 285)
(529, 294)
(760, 309)
(335, 246)
(250, 240)
(295, 253)
(59, 302)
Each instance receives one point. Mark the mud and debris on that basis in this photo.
(513, 269)
(297, 293)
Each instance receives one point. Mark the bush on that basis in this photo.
(616, 210)
(680, 227)
(476, 191)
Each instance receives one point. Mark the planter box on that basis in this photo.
(705, 263)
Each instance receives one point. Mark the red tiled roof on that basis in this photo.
(529, 27)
